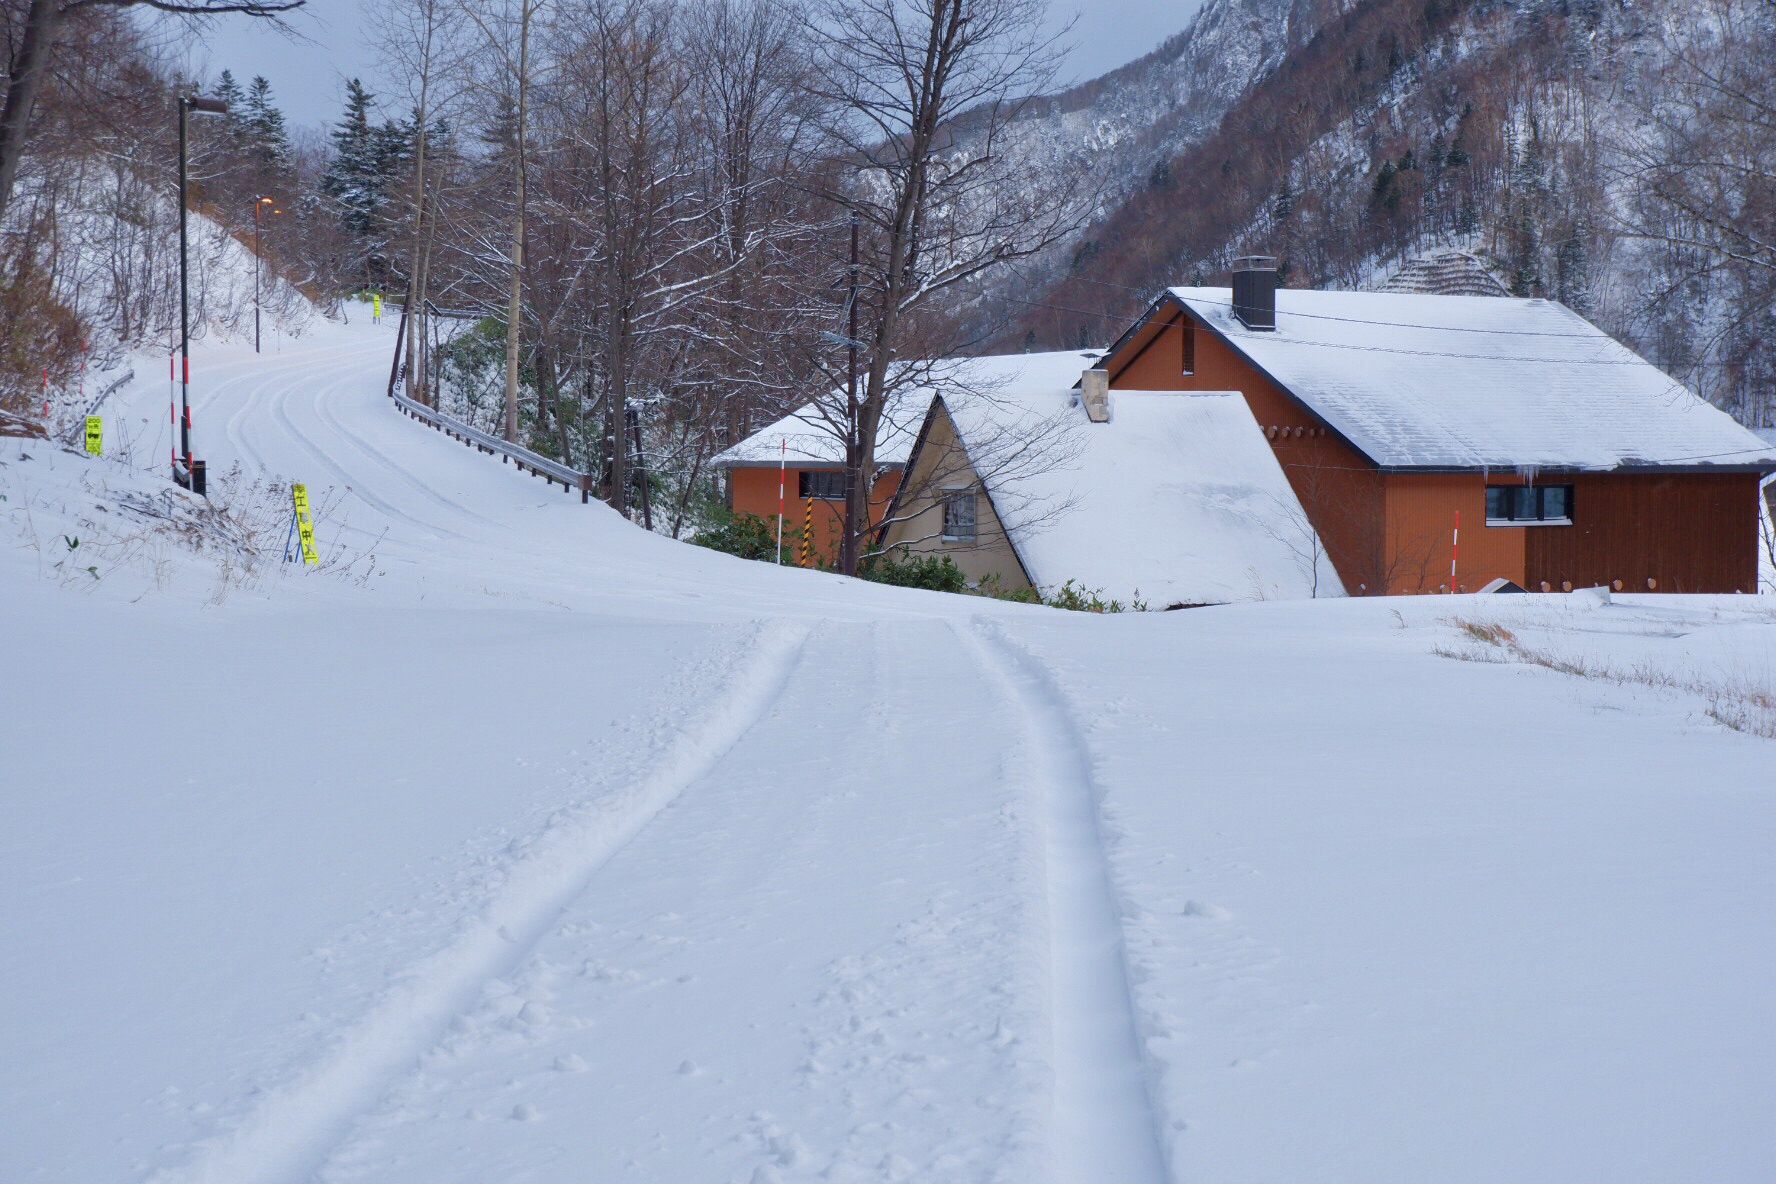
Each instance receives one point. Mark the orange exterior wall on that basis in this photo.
(1421, 523)
(1338, 487)
(753, 490)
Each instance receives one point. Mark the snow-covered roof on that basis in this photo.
(1178, 498)
(806, 438)
(812, 433)
(1465, 381)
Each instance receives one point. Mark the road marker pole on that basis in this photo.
(782, 462)
(808, 536)
(1454, 547)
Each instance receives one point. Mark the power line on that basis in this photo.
(1316, 316)
(1598, 337)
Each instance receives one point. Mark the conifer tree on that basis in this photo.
(353, 176)
(264, 126)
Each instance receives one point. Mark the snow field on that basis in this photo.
(283, 1137)
(1103, 1113)
(792, 974)
(542, 849)
(1390, 920)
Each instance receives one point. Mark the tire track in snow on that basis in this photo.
(288, 1136)
(330, 420)
(1104, 1129)
(265, 404)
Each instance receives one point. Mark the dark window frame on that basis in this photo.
(809, 481)
(954, 530)
(1529, 505)
(1189, 360)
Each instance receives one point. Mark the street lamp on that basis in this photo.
(264, 201)
(191, 475)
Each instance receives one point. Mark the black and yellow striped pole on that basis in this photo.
(808, 536)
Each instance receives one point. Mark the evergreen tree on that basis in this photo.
(265, 130)
(352, 178)
(229, 91)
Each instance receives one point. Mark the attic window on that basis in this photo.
(1529, 505)
(959, 516)
(1189, 333)
(826, 485)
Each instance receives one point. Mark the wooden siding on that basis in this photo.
(1421, 517)
(753, 490)
(1690, 532)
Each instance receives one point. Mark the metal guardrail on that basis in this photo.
(128, 377)
(524, 458)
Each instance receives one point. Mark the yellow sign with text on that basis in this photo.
(95, 434)
(305, 531)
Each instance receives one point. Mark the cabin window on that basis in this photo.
(1189, 332)
(823, 484)
(959, 516)
(1523, 505)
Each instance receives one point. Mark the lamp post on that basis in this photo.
(190, 477)
(264, 201)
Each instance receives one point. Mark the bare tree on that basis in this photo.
(421, 44)
(30, 61)
(921, 94)
(506, 38)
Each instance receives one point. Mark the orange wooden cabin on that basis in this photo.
(1442, 442)
(796, 466)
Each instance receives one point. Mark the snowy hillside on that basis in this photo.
(516, 843)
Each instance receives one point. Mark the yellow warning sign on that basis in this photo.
(376, 305)
(305, 531)
(95, 434)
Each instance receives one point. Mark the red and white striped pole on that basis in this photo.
(1454, 548)
(782, 463)
(173, 408)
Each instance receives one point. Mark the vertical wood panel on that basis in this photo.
(1692, 532)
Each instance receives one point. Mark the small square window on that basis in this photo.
(959, 517)
(823, 485)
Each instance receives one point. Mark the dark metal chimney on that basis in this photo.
(1255, 292)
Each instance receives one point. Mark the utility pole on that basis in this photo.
(192, 478)
(853, 531)
(264, 201)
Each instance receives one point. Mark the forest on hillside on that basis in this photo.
(623, 232)
(1620, 158)
(626, 233)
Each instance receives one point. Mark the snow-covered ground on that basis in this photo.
(517, 844)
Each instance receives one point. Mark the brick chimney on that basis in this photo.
(1094, 393)
(1255, 292)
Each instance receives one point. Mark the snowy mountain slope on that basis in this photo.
(552, 850)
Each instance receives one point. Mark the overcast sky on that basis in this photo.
(307, 79)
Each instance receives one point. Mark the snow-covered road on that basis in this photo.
(532, 847)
